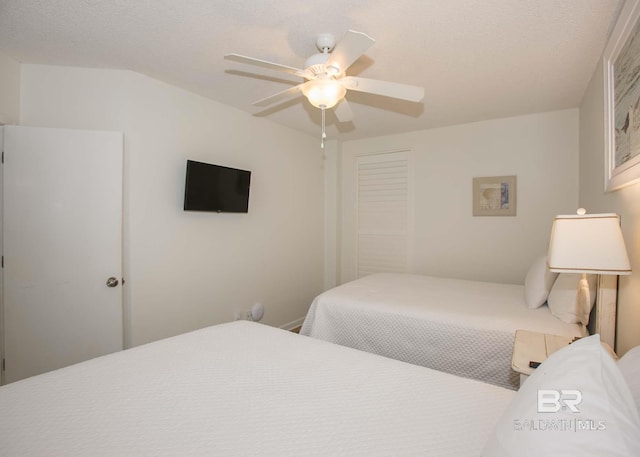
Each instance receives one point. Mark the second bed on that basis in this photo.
(461, 327)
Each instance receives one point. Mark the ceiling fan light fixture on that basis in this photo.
(327, 82)
(324, 92)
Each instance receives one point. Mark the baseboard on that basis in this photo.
(293, 324)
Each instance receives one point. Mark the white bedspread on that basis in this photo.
(466, 328)
(245, 389)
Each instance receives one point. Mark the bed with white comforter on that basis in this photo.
(462, 327)
(245, 389)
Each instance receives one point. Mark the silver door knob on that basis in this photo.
(112, 282)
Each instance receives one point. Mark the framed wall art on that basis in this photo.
(621, 64)
(494, 196)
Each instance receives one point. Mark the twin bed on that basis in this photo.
(245, 389)
(465, 328)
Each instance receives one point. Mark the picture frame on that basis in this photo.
(494, 196)
(621, 66)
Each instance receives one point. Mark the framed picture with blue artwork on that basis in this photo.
(494, 196)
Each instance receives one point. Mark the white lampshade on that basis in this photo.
(324, 92)
(590, 243)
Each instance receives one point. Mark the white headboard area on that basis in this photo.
(603, 315)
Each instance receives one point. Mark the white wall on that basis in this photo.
(624, 202)
(9, 90)
(331, 217)
(541, 149)
(189, 270)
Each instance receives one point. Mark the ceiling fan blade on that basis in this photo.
(280, 96)
(343, 111)
(265, 64)
(348, 50)
(388, 89)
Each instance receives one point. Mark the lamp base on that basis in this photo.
(583, 299)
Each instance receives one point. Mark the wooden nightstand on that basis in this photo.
(536, 347)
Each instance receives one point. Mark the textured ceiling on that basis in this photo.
(477, 59)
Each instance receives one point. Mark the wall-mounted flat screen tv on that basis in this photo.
(216, 188)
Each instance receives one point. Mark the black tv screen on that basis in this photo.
(215, 188)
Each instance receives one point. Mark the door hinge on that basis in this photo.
(3, 156)
(4, 366)
(2, 262)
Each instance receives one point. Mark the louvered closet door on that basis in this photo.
(384, 213)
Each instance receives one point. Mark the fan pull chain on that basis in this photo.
(324, 135)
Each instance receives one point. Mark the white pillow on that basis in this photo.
(629, 365)
(538, 282)
(606, 422)
(563, 298)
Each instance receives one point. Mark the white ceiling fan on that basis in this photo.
(327, 82)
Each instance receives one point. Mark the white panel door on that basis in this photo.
(62, 240)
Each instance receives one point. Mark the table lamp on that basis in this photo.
(587, 244)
